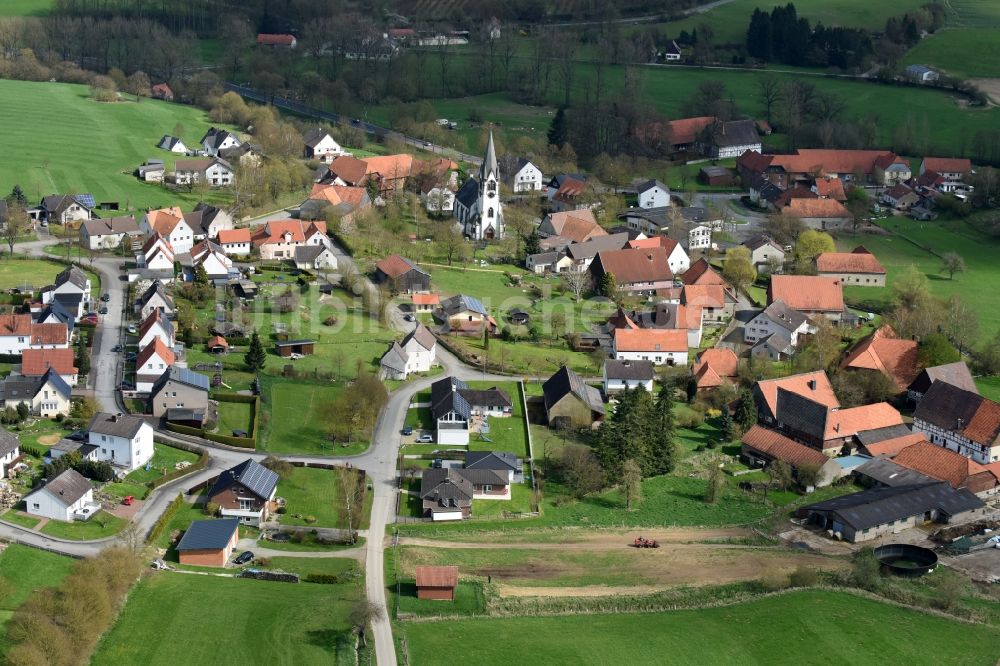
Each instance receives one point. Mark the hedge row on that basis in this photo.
(165, 518)
(240, 442)
(198, 464)
(323, 579)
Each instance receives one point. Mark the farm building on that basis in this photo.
(871, 513)
(715, 176)
(288, 347)
(437, 582)
(571, 401)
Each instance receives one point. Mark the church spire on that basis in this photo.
(490, 161)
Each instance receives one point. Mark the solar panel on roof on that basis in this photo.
(86, 200)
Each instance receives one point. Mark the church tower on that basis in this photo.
(489, 224)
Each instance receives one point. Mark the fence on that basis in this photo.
(249, 442)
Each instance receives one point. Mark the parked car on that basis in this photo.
(408, 317)
(117, 348)
(103, 311)
(131, 356)
(89, 319)
(132, 329)
(407, 431)
(244, 557)
(126, 386)
(425, 438)
(106, 297)
(438, 463)
(78, 436)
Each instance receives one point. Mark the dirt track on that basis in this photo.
(615, 568)
(603, 540)
(991, 87)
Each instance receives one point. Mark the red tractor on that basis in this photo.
(128, 500)
(643, 542)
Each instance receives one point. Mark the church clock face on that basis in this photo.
(491, 194)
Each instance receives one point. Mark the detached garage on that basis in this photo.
(209, 543)
(437, 583)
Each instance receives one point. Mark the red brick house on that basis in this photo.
(209, 543)
(245, 492)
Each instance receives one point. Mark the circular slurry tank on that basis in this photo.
(903, 559)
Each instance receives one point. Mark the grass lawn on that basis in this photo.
(101, 525)
(234, 416)
(979, 286)
(25, 7)
(163, 462)
(299, 418)
(53, 128)
(989, 387)
(27, 570)
(805, 627)
(469, 596)
(42, 434)
(974, 14)
(536, 359)
(490, 285)
(420, 417)
(33, 273)
(506, 433)
(180, 522)
(311, 492)
(339, 566)
(252, 622)
(519, 502)
(12, 516)
(965, 53)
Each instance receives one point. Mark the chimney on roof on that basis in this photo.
(812, 384)
(958, 425)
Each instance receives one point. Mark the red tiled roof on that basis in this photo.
(349, 169)
(777, 446)
(807, 292)
(35, 362)
(825, 161)
(578, 226)
(799, 384)
(887, 160)
(151, 319)
(163, 220)
(849, 262)
(275, 230)
(428, 576)
(883, 352)
(832, 188)
(714, 365)
(848, 422)
(163, 89)
(686, 130)
(656, 241)
(49, 334)
(650, 339)
(393, 266)
(637, 265)
(705, 295)
(275, 40)
(701, 272)
(217, 341)
(15, 324)
(159, 348)
(939, 463)
(947, 164)
(890, 447)
(808, 208)
(425, 299)
(241, 235)
(390, 166)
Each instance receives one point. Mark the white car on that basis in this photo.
(425, 438)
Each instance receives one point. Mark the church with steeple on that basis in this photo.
(477, 204)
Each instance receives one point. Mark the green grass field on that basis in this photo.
(166, 621)
(979, 286)
(730, 20)
(235, 416)
(966, 53)
(311, 492)
(27, 521)
(164, 459)
(56, 141)
(299, 418)
(25, 7)
(180, 522)
(26, 570)
(101, 525)
(989, 387)
(974, 14)
(806, 627)
(23, 273)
